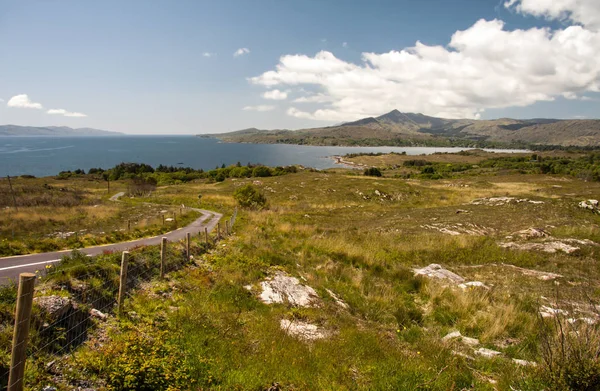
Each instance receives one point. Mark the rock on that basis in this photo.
(499, 201)
(548, 247)
(473, 284)
(463, 339)
(488, 353)
(169, 219)
(544, 276)
(286, 289)
(459, 228)
(341, 303)
(589, 204)
(97, 314)
(462, 211)
(49, 388)
(55, 306)
(549, 312)
(436, 271)
(524, 363)
(531, 233)
(303, 330)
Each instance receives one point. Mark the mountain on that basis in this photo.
(397, 128)
(15, 130)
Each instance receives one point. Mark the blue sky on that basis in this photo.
(168, 67)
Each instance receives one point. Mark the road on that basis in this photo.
(11, 267)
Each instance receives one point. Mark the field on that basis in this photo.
(53, 214)
(517, 240)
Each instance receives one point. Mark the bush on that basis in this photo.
(261, 171)
(571, 354)
(142, 360)
(249, 197)
(372, 171)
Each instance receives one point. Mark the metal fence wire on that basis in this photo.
(72, 296)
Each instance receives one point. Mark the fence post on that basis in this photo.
(206, 234)
(187, 246)
(175, 217)
(163, 254)
(218, 230)
(163, 219)
(128, 225)
(19, 344)
(227, 227)
(123, 281)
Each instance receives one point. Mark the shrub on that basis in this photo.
(143, 360)
(372, 171)
(249, 197)
(571, 354)
(261, 171)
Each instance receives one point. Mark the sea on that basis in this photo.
(45, 156)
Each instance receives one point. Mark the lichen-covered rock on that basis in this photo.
(437, 271)
(54, 306)
(282, 288)
(303, 330)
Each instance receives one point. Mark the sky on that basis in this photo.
(191, 67)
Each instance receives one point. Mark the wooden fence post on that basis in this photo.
(187, 246)
(227, 227)
(163, 254)
(163, 218)
(175, 217)
(218, 230)
(22, 319)
(123, 281)
(206, 234)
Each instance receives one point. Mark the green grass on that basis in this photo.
(360, 237)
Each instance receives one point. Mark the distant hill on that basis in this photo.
(15, 130)
(397, 128)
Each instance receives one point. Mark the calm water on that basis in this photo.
(43, 156)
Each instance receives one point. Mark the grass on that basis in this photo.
(360, 237)
(55, 214)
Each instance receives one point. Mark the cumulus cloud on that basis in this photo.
(22, 101)
(275, 95)
(208, 54)
(585, 12)
(65, 113)
(241, 52)
(482, 67)
(259, 108)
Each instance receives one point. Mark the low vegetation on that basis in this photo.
(513, 319)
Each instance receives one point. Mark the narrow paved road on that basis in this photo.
(10, 267)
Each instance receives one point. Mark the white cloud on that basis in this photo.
(315, 98)
(241, 52)
(65, 113)
(482, 67)
(22, 101)
(586, 12)
(259, 108)
(344, 44)
(275, 95)
(208, 54)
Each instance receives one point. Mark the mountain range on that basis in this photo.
(397, 128)
(16, 130)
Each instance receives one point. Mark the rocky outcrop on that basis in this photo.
(285, 289)
(303, 330)
(592, 205)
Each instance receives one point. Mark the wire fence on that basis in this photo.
(72, 297)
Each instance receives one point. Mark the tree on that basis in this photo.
(250, 198)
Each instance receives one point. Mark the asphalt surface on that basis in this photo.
(11, 267)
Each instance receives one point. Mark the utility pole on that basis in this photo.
(13, 193)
